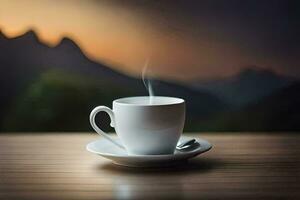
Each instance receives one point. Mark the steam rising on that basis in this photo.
(147, 81)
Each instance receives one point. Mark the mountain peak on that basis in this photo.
(66, 41)
(30, 35)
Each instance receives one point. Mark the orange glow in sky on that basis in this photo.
(124, 38)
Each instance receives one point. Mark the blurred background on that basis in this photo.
(236, 63)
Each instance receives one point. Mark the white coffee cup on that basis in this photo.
(144, 128)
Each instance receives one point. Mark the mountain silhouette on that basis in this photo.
(279, 111)
(281, 108)
(250, 85)
(24, 59)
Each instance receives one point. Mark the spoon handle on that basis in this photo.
(186, 143)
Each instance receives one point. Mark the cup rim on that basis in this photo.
(175, 101)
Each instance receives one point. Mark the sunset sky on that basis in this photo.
(182, 39)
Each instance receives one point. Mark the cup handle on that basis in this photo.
(93, 114)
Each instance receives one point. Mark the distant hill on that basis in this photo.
(28, 69)
(277, 112)
(23, 59)
(250, 85)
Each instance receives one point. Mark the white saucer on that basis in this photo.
(119, 156)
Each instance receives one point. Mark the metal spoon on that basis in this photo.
(185, 144)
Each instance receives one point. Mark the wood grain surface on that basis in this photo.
(239, 166)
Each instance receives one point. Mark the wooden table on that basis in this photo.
(239, 166)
